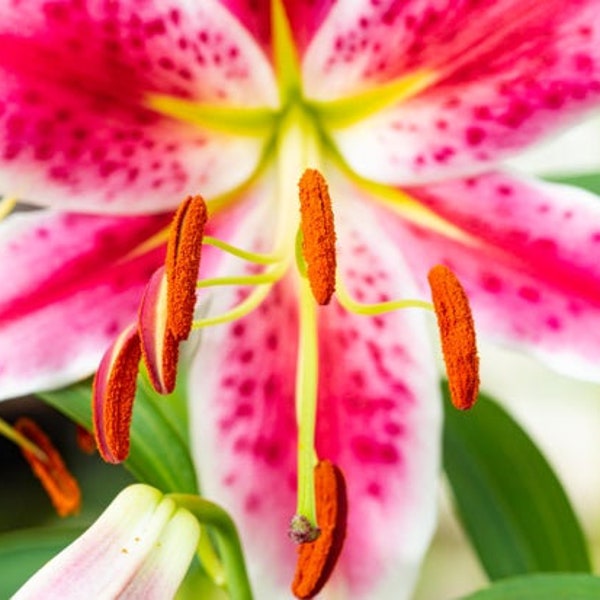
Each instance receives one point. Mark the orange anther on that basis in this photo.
(85, 440)
(160, 348)
(113, 394)
(457, 333)
(182, 263)
(317, 559)
(61, 486)
(318, 234)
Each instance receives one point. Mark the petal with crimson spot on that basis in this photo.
(75, 128)
(72, 282)
(504, 75)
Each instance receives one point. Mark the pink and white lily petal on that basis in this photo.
(306, 17)
(379, 411)
(255, 16)
(501, 76)
(526, 255)
(71, 284)
(378, 420)
(140, 547)
(76, 128)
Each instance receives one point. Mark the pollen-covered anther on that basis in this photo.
(85, 439)
(113, 394)
(182, 263)
(317, 559)
(457, 333)
(61, 486)
(318, 234)
(160, 347)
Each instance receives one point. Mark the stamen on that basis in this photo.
(318, 233)
(85, 440)
(182, 263)
(113, 394)
(457, 333)
(160, 348)
(61, 486)
(317, 559)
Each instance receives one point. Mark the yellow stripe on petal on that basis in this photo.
(337, 114)
(235, 120)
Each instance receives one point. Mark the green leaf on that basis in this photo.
(542, 587)
(159, 448)
(509, 500)
(23, 552)
(587, 181)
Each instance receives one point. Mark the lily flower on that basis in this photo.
(140, 547)
(112, 112)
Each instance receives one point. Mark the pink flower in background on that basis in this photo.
(112, 112)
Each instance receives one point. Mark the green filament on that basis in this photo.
(377, 308)
(10, 433)
(241, 310)
(261, 259)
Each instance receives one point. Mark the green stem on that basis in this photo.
(228, 541)
(210, 560)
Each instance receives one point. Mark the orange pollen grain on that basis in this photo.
(61, 486)
(316, 560)
(85, 440)
(182, 263)
(457, 333)
(318, 234)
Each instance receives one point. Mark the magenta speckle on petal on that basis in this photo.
(491, 283)
(247, 387)
(368, 450)
(530, 294)
(554, 323)
(474, 136)
(252, 503)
